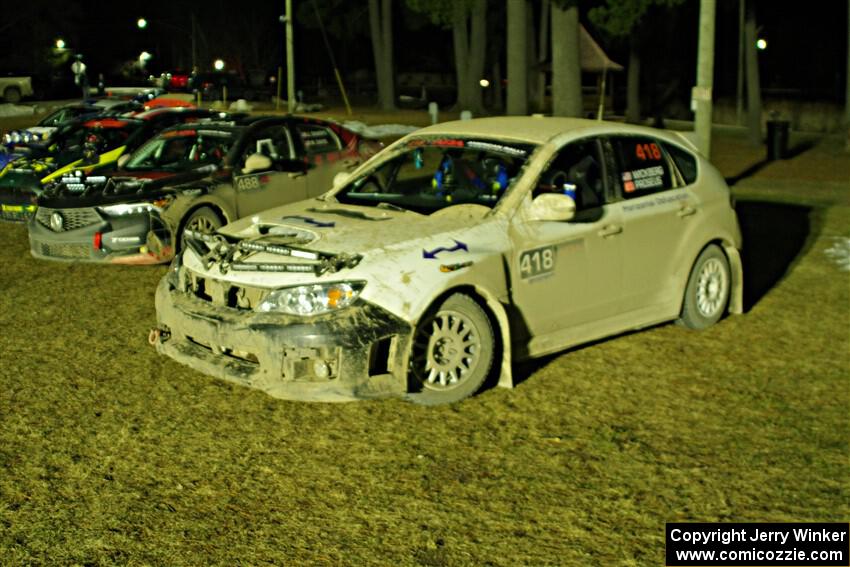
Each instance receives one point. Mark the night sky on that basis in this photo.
(806, 54)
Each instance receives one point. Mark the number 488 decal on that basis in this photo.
(537, 262)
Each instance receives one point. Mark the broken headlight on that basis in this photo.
(312, 299)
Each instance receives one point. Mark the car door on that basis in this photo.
(278, 184)
(323, 150)
(566, 275)
(656, 212)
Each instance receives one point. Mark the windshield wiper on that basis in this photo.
(390, 206)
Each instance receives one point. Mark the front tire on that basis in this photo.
(452, 352)
(202, 220)
(707, 293)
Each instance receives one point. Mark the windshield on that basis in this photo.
(64, 115)
(103, 138)
(432, 174)
(181, 150)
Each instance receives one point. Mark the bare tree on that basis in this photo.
(468, 21)
(469, 24)
(539, 89)
(566, 67)
(847, 92)
(751, 66)
(626, 18)
(381, 26)
(517, 57)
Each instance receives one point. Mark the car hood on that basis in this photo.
(118, 187)
(358, 241)
(337, 228)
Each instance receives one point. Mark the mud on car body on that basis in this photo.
(84, 146)
(460, 248)
(199, 176)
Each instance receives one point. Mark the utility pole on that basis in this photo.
(194, 25)
(701, 94)
(739, 105)
(847, 91)
(517, 58)
(290, 60)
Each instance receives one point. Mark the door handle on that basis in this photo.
(610, 230)
(350, 164)
(686, 211)
(296, 174)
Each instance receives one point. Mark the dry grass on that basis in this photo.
(112, 455)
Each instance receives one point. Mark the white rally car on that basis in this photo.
(460, 248)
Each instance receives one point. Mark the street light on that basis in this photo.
(142, 23)
(219, 64)
(60, 43)
(761, 43)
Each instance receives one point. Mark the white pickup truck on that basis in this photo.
(13, 89)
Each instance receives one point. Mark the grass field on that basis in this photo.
(113, 455)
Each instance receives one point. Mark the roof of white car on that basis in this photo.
(532, 129)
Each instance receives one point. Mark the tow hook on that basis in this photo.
(157, 335)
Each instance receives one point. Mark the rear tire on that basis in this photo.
(452, 352)
(12, 94)
(708, 290)
(203, 219)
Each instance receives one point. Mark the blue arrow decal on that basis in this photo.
(308, 220)
(433, 253)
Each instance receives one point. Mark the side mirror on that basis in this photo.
(552, 207)
(341, 179)
(122, 160)
(257, 162)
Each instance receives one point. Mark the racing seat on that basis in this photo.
(586, 176)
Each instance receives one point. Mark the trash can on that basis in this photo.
(777, 139)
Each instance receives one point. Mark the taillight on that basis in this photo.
(97, 241)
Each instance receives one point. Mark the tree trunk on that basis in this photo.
(633, 84)
(470, 40)
(517, 58)
(496, 87)
(381, 27)
(530, 57)
(847, 92)
(566, 70)
(542, 56)
(752, 71)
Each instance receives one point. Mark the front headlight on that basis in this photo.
(127, 209)
(312, 299)
(15, 137)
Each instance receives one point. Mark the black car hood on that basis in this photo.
(121, 188)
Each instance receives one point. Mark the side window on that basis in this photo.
(272, 142)
(576, 171)
(685, 162)
(317, 139)
(644, 169)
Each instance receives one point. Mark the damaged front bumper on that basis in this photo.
(358, 352)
